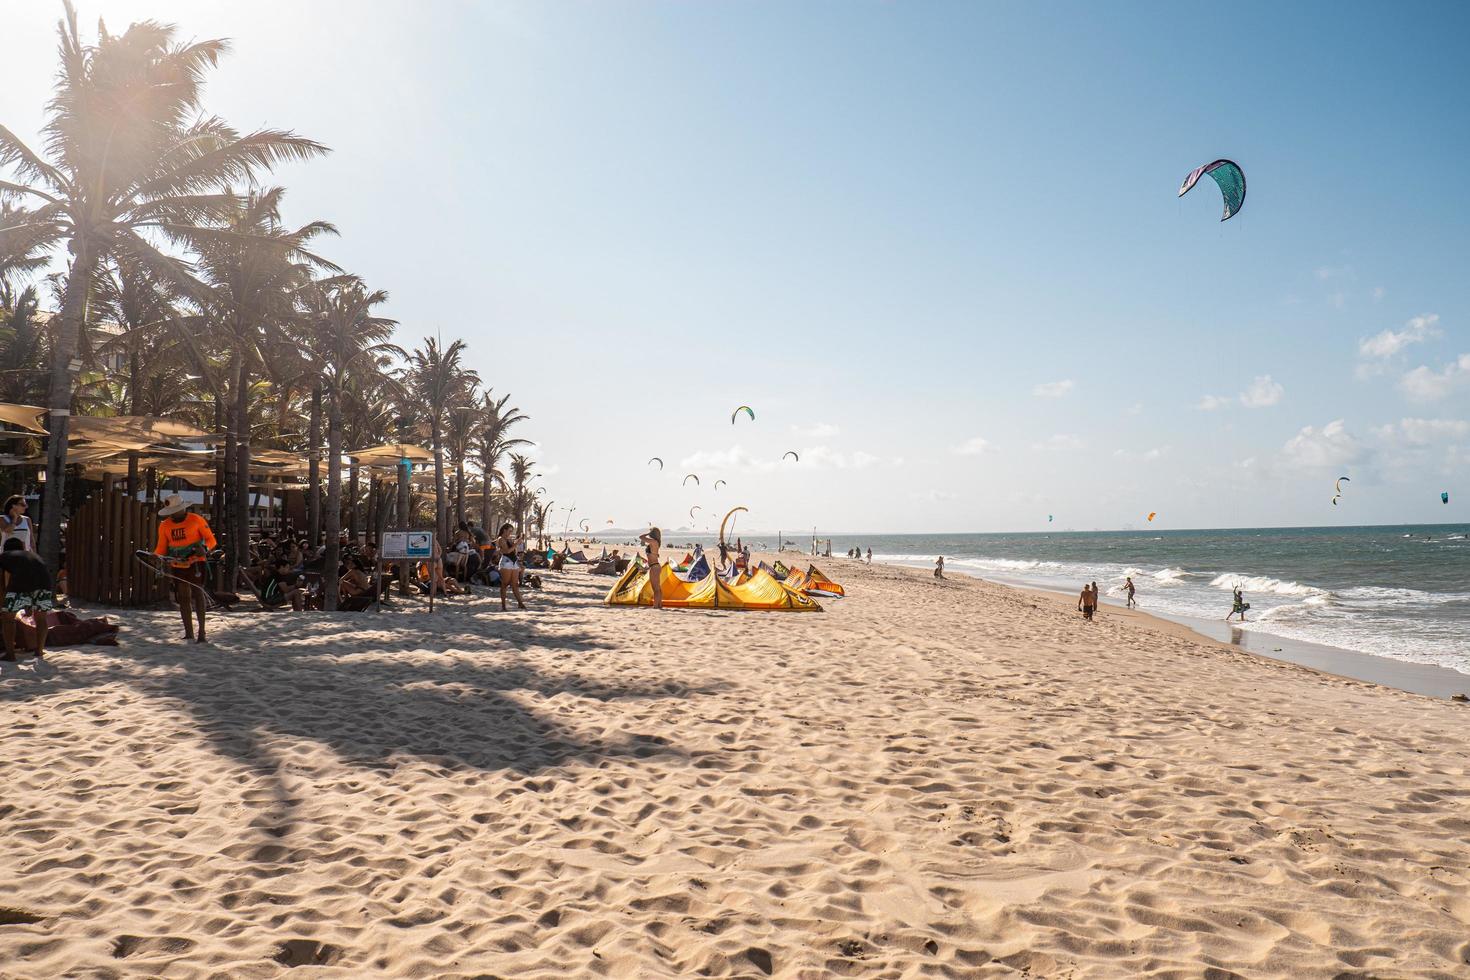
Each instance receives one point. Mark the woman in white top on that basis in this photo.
(15, 524)
(510, 569)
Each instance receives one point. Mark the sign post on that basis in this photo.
(405, 545)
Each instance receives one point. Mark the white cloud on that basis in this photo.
(1426, 385)
(1147, 456)
(820, 457)
(821, 430)
(734, 458)
(973, 446)
(1390, 342)
(1059, 442)
(1423, 432)
(1262, 393)
(1330, 446)
(1378, 293)
(1211, 402)
(1053, 389)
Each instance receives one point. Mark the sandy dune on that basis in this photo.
(930, 780)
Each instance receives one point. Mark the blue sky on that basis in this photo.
(937, 246)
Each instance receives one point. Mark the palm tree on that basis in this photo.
(439, 382)
(346, 338)
(22, 348)
(493, 444)
(520, 475)
(127, 152)
(254, 271)
(461, 427)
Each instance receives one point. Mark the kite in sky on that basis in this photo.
(743, 408)
(687, 478)
(717, 484)
(1444, 498)
(1151, 515)
(1231, 180)
(658, 461)
(793, 454)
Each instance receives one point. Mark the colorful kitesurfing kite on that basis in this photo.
(743, 408)
(727, 519)
(793, 454)
(1230, 178)
(1444, 498)
(687, 478)
(717, 484)
(1151, 515)
(658, 461)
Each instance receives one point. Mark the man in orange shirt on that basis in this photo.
(185, 539)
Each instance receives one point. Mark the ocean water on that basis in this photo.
(1398, 592)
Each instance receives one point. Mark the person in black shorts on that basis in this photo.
(27, 588)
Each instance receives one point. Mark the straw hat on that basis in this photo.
(173, 504)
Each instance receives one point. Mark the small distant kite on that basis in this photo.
(540, 491)
(658, 461)
(609, 520)
(1230, 178)
(586, 525)
(793, 454)
(1444, 498)
(687, 478)
(717, 484)
(1151, 515)
(1337, 489)
(692, 510)
(1049, 518)
(743, 408)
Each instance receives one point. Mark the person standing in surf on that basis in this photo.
(1128, 588)
(1239, 606)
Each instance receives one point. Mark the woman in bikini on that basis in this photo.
(510, 569)
(652, 542)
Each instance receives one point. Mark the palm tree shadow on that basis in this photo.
(373, 708)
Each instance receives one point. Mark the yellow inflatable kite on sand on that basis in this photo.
(760, 592)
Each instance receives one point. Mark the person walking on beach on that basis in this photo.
(870, 556)
(15, 525)
(510, 569)
(27, 588)
(939, 567)
(1096, 597)
(1087, 602)
(1128, 588)
(185, 539)
(1239, 606)
(652, 541)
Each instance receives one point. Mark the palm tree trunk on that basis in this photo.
(441, 508)
(352, 494)
(73, 310)
(404, 522)
(330, 579)
(240, 545)
(313, 468)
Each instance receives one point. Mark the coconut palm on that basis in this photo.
(345, 337)
(520, 476)
(127, 153)
(23, 344)
(254, 271)
(492, 443)
(439, 382)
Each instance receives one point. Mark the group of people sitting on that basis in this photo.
(289, 572)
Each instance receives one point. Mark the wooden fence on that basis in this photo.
(100, 540)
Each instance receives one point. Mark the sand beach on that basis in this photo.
(930, 779)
